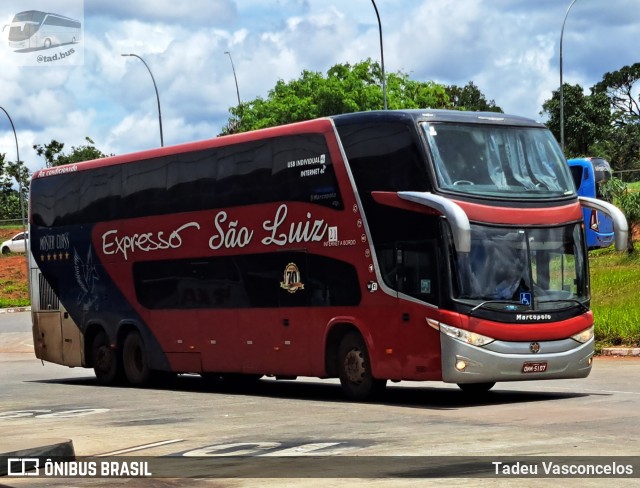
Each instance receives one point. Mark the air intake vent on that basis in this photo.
(48, 299)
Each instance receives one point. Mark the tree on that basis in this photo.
(345, 89)
(605, 123)
(12, 177)
(54, 156)
(618, 86)
(587, 119)
(470, 97)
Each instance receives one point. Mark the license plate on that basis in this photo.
(539, 367)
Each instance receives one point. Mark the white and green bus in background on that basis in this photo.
(33, 29)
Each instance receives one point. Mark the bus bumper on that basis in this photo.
(514, 361)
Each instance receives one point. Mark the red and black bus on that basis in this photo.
(391, 245)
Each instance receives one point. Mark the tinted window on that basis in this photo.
(286, 279)
(292, 168)
(384, 157)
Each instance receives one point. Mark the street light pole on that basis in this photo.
(234, 76)
(384, 82)
(561, 81)
(157, 95)
(21, 196)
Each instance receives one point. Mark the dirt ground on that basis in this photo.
(13, 271)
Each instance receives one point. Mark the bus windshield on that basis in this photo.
(523, 268)
(25, 24)
(498, 161)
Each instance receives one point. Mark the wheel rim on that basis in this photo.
(354, 366)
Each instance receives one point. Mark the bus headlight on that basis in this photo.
(465, 336)
(584, 336)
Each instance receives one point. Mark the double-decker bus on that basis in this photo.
(391, 245)
(588, 175)
(34, 29)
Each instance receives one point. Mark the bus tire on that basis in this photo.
(476, 388)
(354, 369)
(107, 365)
(47, 43)
(134, 358)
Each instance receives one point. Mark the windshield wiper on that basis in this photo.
(509, 306)
(570, 300)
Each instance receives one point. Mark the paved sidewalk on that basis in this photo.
(42, 449)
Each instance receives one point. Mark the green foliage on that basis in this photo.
(470, 97)
(618, 86)
(618, 192)
(605, 123)
(349, 88)
(54, 156)
(12, 175)
(587, 119)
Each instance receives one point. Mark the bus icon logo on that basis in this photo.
(525, 298)
(23, 467)
(33, 29)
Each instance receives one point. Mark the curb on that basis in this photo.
(15, 309)
(621, 351)
(37, 452)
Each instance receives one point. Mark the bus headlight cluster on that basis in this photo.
(584, 336)
(465, 336)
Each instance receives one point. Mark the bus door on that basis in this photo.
(273, 329)
(416, 280)
(56, 337)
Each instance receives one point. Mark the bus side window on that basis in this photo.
(417, 270)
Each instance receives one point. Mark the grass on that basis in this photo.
(635, 186)
(615, 286)
(615, 290)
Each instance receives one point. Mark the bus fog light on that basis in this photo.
(461, 365)
(584, 336)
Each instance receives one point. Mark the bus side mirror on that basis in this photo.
(620, 225)
(455, 215)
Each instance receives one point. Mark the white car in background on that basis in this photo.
(15, 244)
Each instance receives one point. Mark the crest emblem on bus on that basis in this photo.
(291, 279)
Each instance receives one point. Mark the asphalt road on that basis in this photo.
(391, 441)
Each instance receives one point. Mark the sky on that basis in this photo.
(509, 48)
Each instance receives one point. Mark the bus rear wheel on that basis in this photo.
(355, 369)
(134, 358)
(106, 361)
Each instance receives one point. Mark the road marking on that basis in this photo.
(304, 449)
(140, 448)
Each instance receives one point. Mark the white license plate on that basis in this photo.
(539, 367)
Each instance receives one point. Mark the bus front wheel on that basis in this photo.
(106, 362)
(134, 358)
(355, 369)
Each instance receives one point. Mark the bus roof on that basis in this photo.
(316, 125)
(436, 115)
